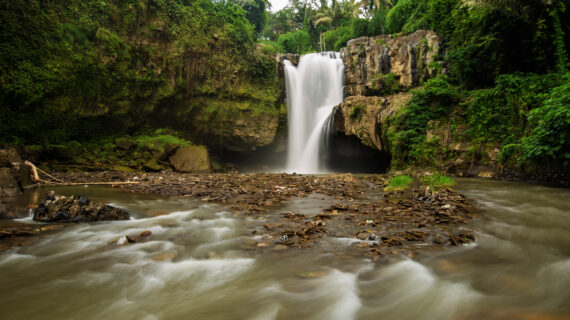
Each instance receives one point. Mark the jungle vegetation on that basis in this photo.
(78, 70)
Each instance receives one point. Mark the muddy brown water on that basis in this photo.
(195, 265)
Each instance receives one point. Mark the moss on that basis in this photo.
(356, 111)
(152, 165)
(399, 182)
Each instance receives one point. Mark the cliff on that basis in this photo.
(382, 64)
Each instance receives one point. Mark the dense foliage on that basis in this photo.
(408, 143)
(78, 69)
(485, 38)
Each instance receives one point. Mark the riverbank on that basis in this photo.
(353, 209)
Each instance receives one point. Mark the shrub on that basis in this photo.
(408, 143)
(550, 138)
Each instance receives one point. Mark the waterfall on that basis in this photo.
(314, 87)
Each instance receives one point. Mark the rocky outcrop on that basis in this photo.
(365, 117)
(293, 58)
(191, 159)
(235, 126)
(76, 209)
(10, 164)
(374, 63)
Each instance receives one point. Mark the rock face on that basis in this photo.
(364, 117)
(76, 209)
(378, 71)
(410, 59)
(294, 58)
(191, 159)
(10, 163)
(240, 126)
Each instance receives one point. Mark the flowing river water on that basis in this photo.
(195, 266)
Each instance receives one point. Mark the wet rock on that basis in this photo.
(61, 216)
(79, 218)
(362, 235)
(146, 233)
(71, 209)
(83, 201)
(125, 240)
(280, 247)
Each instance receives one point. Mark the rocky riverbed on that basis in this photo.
(376, 223)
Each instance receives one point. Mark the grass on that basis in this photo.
(400, 182)
(437, 181)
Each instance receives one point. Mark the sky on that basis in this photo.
(277, 5)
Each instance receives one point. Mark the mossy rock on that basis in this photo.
(122, 168)
(152, 165)
(191, 159)
(125, 143)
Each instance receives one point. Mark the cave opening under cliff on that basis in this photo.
(341, 154)
(344, 153)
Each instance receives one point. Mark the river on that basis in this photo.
(196, 266)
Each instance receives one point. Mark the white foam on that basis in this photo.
(341, 287)
(269, 312)
(205, 274)
(408, 283)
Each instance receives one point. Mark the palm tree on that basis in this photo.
(336, 12)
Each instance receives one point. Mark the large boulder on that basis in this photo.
(9, 157)
(191, 159)
(409, 59)
(76, 209)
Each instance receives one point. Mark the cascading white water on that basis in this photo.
(314, 87)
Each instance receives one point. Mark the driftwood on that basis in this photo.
(47, 183)
(34, 171)
(40, 182)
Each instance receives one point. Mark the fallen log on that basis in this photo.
(50, 184)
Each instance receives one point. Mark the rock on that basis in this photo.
(78, 218)
(152, 165)
(4, 209)
(280, 247)
(366, 117)
(293, 58)
(125, 143)
(83, 201)
(61, 216)
(191, 159)
(9, 186)
(125, 240)
(145, 233)
(410, 58)
(76, 209)
(9, 157)
(362, 235)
